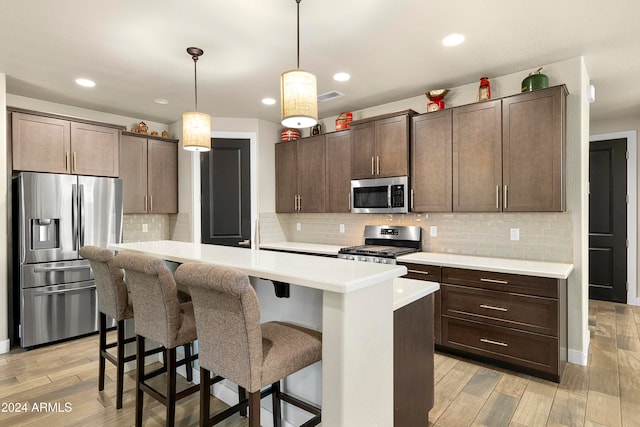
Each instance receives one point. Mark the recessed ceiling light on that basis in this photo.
(268, 101)
(161, 101)
(85, 82)
(453, 39)
(341, 77)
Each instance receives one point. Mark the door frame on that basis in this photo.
(632, 208)
(253, 165)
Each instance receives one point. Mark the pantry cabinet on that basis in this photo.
(300, 175)
(44, 143)
(149, 173)
(380, 146)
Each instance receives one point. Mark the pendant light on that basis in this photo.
(196, 127)
(298, 94)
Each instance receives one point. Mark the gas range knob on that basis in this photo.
(376, 260)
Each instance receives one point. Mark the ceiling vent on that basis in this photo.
(328, 96)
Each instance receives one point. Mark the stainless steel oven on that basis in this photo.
(380, 195)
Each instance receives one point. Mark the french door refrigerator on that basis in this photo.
(53, 216)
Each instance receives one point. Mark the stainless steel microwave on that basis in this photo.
(380, 195)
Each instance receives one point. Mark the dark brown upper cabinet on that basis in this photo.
(477, 157)
(431, 162)
(149, 172)
(380, 146)
(338, 175)
(300, 175)
(42, 143)
(533, 151)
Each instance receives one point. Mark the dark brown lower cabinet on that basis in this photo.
(429, 273)
(519, 321)
(413, 363)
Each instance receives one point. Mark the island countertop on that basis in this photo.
(327, 274)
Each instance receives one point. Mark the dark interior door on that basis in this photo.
(226, 193)
(608, 220)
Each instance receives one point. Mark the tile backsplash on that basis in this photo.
(542, 236)
(158, 227)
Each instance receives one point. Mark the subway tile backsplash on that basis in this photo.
(542, 236)
(158, 227)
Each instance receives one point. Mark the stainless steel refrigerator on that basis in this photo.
(53, 216)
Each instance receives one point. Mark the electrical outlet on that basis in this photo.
(433, 231)
(298, 226)
(342, 228)
(515, 234)
(145, 228)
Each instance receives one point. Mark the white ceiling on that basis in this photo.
(136, 50)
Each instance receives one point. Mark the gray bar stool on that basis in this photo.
(160, 317)
(234, 345)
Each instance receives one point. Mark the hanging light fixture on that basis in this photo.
(196, 127)
(298, 94)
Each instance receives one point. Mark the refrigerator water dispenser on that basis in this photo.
(45, 233)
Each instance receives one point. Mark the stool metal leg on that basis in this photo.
(120, 364)
(102, 347)
(139, 378)
(242, 395)
(205, 397)
(189, 365)
(275, 403)
(171, 387)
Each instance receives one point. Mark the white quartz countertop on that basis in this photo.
(312, 248)
(327, 274)
(555, 270)
(406, 291)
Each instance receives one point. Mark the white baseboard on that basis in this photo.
(580, 357)
(5, 346)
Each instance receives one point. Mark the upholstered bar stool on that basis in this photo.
(234, 345)
(114, 301)
(162, 318)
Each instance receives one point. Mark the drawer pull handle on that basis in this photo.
(492, 307)
(502, 282)
(419, 272)
(501, 344)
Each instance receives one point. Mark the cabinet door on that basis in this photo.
(363, 151)
(477, 157)
(40, 144)
(392, 146)
(286, 176)
(311, 174)
(162, 184)
(533, 151)
(431, 174)
(338, 182)
(94, 150)
(133, 172)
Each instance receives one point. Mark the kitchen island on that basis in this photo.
(357, 320)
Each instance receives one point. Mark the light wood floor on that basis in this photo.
(605, 393)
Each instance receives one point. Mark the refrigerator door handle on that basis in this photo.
(74, 215)
(81, 208)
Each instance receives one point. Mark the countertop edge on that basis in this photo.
(406, 291)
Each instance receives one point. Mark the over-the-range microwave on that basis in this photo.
(380, 195)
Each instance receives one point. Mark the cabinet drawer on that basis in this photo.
(431, 273)
(528, 285)
(529, 313)
(524, 349)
